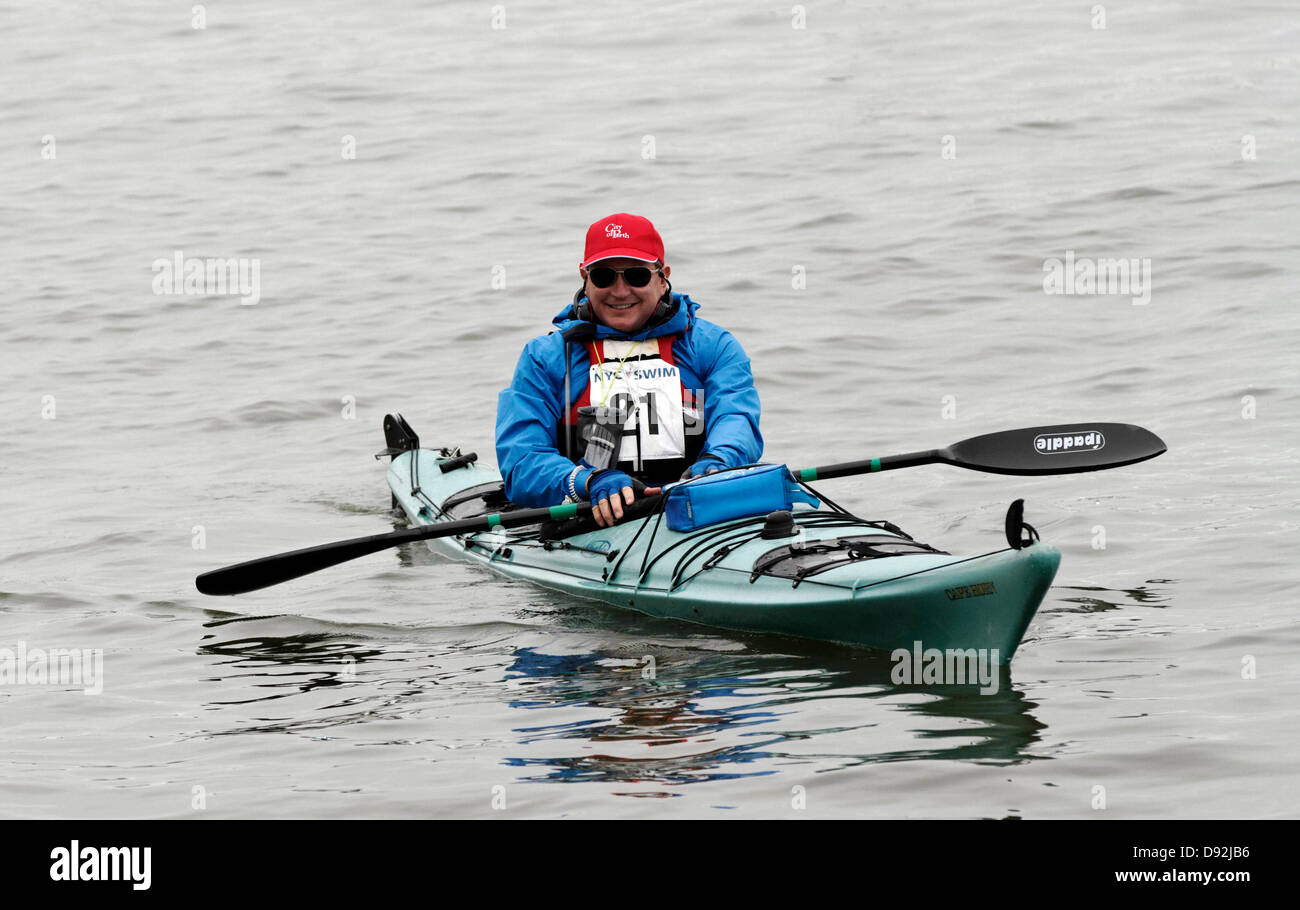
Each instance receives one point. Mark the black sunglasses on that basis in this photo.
(638, 276)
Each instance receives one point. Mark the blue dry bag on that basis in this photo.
(726, 495)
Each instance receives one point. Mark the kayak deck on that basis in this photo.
(841, 579)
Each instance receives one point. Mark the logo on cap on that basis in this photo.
(616, 230)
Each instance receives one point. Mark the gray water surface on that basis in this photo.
(912, 167)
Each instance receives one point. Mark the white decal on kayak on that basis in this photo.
(1059, 443)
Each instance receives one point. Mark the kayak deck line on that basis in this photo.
(494, 551)
(700, 543)
(853, 588)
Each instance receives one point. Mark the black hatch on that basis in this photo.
(798, 561)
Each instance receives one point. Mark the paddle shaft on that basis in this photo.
(871, 465)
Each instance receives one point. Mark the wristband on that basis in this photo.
(573, 490)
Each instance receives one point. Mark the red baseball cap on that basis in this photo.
(623, 236)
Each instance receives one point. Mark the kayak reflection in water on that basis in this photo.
(634, 390)
(712, 715)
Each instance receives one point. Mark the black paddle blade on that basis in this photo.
(271, 570)
(1067, 448)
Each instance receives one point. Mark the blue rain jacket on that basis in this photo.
(528, 412)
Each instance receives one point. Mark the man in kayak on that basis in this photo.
(651, 393)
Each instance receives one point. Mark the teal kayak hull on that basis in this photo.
(926, 599)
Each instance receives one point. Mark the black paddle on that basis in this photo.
(1066, 448)
(1063, 449)
(271, 570)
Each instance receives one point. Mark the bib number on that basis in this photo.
(649, 392)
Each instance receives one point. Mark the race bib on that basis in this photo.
(634, 378)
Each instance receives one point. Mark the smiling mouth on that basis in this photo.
(624, 306)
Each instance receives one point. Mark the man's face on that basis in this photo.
(621, 306)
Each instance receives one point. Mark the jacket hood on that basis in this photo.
(679, 321)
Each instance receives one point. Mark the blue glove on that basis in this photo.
(608, 484)
(703, 466)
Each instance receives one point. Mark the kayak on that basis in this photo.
(809, 572)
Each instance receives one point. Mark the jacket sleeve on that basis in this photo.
(731, 406)
(535, 472)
